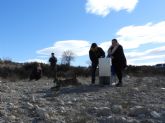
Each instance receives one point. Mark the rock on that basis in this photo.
(2, 121)
(41, 112)
(154, 114)
(132, 121)
(29, 105)
(117, 109)
(136, 89)
(163, 116)
(138, 111)
(12, 117)
(147, 121)
(62, 102)
(33, 98)
(46, 115)
(62, 109)
(74, 99)
(117, 120)
(114, 119)
(103, 111)
(69, 102)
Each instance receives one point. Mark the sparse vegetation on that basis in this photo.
(13, 71)
(67, 57)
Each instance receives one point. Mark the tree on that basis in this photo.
(67, 57)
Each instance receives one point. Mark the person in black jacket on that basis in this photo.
(118, 59)
(95, 53)
(53, 67)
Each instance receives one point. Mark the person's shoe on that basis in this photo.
(119, 84)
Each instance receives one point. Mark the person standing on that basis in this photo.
(95, 53)
(53, 66)
(118, 59)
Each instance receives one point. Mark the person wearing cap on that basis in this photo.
(119, 62)
(53, 67)
(95, 53)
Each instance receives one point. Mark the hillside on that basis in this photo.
(140, 100)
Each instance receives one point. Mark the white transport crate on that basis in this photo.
(105, 71)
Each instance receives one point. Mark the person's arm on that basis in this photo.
(114, 49)
(91, 56)
(102, 53)
(55, 60)
(50, 59)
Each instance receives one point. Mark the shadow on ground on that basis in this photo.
(72, 89)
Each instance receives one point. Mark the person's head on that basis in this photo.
(52, 54)
(114, 42)
(94, 45)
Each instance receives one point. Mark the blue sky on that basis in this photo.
(31, 29)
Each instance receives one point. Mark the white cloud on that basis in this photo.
(78, 47)
(154, 52)
(149, 57)
(36, 60)
(135, 36)
(147, 60)
(130, 37)
(104, 7)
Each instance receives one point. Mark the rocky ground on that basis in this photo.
(140, 100)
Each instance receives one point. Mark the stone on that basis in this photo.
(117, 109)
(154, 114)
(132, 121)
(138, 111)
(147, 121)
(29, 105)
(117, 120)
(41, 112)
(103, 111)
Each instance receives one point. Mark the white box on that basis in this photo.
(104, 71)
(104, 67)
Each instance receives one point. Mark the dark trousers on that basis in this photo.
(93, 72)
(54, 72)
(119, 71)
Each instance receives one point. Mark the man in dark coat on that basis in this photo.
(53, 67)
(118, 59)
(95, 53)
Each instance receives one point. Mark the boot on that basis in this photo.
(119, 84)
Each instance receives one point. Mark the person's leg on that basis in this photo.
(118, 73)
(94, 67)
(112, 74)
(55, 72)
